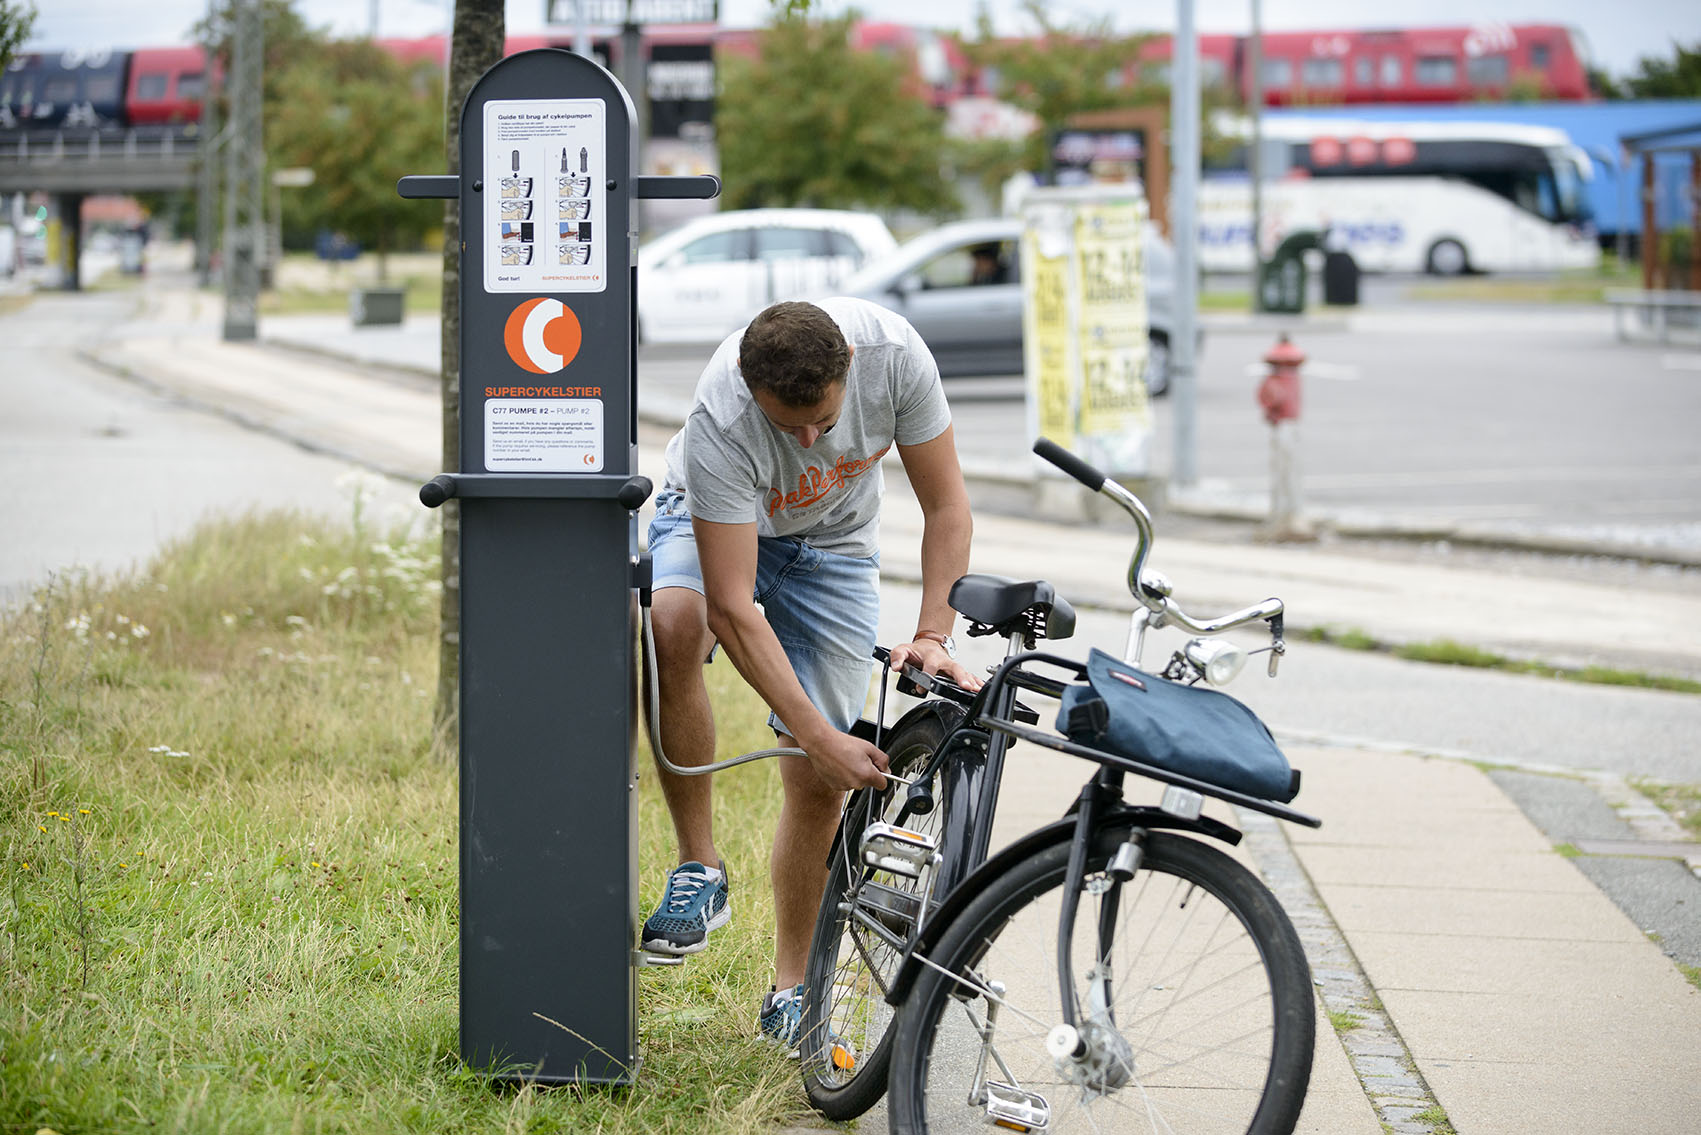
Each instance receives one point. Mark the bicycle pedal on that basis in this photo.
(1011, 1108)
(887, 847)
(644, 959)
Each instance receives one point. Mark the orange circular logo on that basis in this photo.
(542, 335)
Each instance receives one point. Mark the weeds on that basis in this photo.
(1682, 802)
(1344, 1020)
(1436, 1119)
(1446, 652)
(230, 893)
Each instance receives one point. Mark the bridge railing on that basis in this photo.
(132, 144)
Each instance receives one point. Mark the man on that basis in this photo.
(988, 265)
(772, 496)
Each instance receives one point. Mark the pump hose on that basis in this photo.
(655, 728)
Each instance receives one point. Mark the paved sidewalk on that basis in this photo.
(1523, 1000)
(1517, 997)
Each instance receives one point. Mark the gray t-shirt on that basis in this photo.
(734, 466)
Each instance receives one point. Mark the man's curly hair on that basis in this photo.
(795, 352)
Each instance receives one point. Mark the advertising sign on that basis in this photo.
(1085, 325)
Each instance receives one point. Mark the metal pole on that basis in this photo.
(207, 175)
(1184, 188)
(1622, 245)
(245, 163)
(1255, 157)
(581, 33)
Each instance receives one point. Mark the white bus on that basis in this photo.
(1445, 198)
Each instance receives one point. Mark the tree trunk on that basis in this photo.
(476, 44)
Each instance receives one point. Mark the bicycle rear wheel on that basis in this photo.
(867, 918)
(1194, 1003)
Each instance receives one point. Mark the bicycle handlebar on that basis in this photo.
(1148, 592)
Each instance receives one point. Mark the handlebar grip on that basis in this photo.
(437, 490)
(1069, 463)
(634, 493)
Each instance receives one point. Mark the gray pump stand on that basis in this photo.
(550, 567)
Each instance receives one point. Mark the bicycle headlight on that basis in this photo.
(1217, 660)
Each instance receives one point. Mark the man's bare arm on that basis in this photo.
(936, 477)
(727, 555)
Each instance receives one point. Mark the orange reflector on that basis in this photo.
(843, 1059)
(1010, 1126)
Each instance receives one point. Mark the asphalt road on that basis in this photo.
(1529, 420)
(103, 472)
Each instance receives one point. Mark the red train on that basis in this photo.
(157, 86)
(1408, 65)
(162, 86)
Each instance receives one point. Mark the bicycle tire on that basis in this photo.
(846, 1020)
(1209, 996)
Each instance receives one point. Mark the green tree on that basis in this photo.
(17, 18)
(289, 39)
(812, 121)
(1676, 78)
(1604, 85)
(1062, 71)
(360, 120)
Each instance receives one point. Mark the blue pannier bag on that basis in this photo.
(1197, 732)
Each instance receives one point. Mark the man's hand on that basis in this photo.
(845, 762)
(930, 657)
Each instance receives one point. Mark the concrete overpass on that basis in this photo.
(79, 163)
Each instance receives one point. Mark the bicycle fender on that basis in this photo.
(949, 715)
(1059, 831)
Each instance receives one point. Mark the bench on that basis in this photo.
(1661, 312)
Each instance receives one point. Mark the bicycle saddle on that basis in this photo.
(1000, 606)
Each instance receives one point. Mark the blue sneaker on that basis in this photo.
(694, 904)
(781, 1019)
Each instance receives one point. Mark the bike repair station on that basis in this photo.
(550, 567)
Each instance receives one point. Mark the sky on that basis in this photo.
(1617, 34)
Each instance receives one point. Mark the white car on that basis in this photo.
(701, 281)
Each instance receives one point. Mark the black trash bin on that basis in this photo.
(1340, 279)
(1281, 279)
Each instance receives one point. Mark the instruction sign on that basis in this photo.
(543, 435)
(545, 203)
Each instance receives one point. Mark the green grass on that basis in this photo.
(1436, 1119)
(1344, 1020)
(228, 864)
(1682, 802)
(1446, 652)
(1225, 301)
(1568, 287)
(424, 297)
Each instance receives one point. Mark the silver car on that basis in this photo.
(960, 286)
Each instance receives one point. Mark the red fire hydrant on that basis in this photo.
(1278, 394)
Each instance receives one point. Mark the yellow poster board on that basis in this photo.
(1085, 323)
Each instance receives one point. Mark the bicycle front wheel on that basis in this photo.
(1192, 997)
(867, 919)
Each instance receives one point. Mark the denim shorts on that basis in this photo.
(823, 607)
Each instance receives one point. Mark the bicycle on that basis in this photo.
(957, 975)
